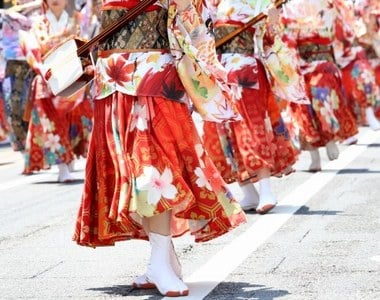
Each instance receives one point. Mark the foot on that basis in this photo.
(267, 203)
(332, 150)
(27, 173)
(167, 283)
(66, 179)
(248, 204)
(251, 197)
(160, 272)
(64, 175)
(287, 171)
(315, 165)
(267, 199)
(142, 281)
(71, 166)
(350, 141)
(372, 121)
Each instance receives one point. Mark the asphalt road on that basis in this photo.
(321, 242)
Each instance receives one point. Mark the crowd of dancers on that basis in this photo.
(175, 113)
(45, 129)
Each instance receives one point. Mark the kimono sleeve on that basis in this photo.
(192, 45)
(31, 49)
(282, 62)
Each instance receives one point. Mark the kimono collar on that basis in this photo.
(57, 25)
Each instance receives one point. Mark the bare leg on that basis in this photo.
(145, 225)
(160, 223)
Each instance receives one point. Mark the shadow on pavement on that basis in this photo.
(305, 210)
(244, 290)
(224, 291)
(250, 212)
(5, 145)
(344, 171)
(374, 145)
(73, 182)
(6, 163)
(129, 291)
(358, 171)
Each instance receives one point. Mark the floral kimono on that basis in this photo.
(17, 74)
(367, 21)
(145, 155)
(4, 124)
(358, 75)
(260, 140)
(57, 132)
(309, 26)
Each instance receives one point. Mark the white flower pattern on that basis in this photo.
(45, 123)
(139, 116)
(53, 142)
(157, 185)
(202, 180)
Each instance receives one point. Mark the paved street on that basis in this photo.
(321, 242)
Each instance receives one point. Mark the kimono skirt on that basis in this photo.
(55, 130)
(133, 173)
(261, 139)
(361, 88)
(374, 61)
(328, 117)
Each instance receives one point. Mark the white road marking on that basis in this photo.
(46, 175)
(376, 258)
(206, 278)
(24, 180)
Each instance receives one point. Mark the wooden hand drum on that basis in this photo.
(65, 70)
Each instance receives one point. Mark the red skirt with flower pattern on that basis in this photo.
(328, 117)
(377, 76)
(145, 158)
(260, 140)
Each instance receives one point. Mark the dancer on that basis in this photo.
(17, 73)
(59, 127)
(258, 147)
(309, 26)
(147, 174)
(367, 29)
(359, 82)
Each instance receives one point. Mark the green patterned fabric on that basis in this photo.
(147, 31)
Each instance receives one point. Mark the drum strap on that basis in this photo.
(113, 27)
(247, 25)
